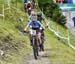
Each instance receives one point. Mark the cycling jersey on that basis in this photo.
(35, 24)
(29, 5)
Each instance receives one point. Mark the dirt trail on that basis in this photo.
(42, 59)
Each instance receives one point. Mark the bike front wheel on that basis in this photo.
(35, 48)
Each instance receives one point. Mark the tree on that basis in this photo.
(52, 10)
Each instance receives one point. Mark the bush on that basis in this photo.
(52, 10)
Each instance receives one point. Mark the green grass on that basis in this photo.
(18, 45)
(58, 51)
(63, 32)
(12, 42)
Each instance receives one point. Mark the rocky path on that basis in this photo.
(42, 58)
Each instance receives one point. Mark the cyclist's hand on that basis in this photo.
(24, 31)
(46, 26)
(42, 29)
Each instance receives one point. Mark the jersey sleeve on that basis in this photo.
(39, 23)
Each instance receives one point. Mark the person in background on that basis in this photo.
(65, 1)
(25, 1)
(29, 11)
(34, 22)
(33, 3)
(25, 4)
(31, 15)
(29, 4)
(73, 18)
(40, 18)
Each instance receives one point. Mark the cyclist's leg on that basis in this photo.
(43, 35)
(39, 38)
(42, 39)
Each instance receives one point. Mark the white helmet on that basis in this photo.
(33, 16)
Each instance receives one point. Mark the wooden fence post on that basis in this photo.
(3, 13)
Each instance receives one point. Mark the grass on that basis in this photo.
(12, 42)
(16, 44)
(64, 32)
(58, 51)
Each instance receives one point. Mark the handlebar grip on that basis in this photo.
(25, 31)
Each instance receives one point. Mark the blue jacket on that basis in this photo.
(34, 23)
(73, 18)
(69, 1)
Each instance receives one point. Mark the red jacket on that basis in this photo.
(59, 1)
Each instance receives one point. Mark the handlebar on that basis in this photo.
(25, 31)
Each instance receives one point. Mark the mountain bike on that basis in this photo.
(34, 42)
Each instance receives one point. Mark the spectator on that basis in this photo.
(73, 20)
(25, 1)
(25, 4)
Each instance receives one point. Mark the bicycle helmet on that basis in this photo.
(33, 16)
(39, 14)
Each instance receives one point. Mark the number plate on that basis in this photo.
(33, 32)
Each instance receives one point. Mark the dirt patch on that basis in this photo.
(42, 58)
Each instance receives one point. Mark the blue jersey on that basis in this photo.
(34, 24)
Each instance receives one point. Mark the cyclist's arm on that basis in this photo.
(27, 26)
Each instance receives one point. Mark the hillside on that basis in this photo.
(15, 45)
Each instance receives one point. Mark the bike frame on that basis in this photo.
(34, 43)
